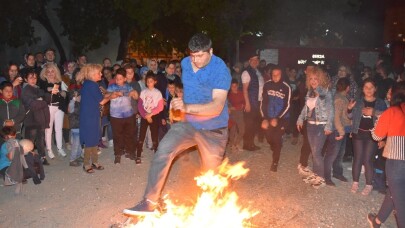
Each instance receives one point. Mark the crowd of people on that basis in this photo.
(82, 107)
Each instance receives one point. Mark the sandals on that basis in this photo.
(88, 170)
(97, 166)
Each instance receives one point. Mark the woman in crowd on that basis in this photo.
(363, 113)
(15, 78)
(343, 126)
(37, 113)
(51, 83)
(391, 125)
(318, 111)
(89, 126)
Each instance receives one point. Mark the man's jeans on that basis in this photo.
(181, 136)
(395, 197)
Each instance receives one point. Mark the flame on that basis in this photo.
(215, 207)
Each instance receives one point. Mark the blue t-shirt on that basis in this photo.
(4, 162)
(198, 88)
(121, 107)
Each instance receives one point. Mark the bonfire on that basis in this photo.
(217, 206)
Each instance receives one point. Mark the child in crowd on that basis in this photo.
(13, 160)
(150, 104)
(122, 117)
(236, 107)
(35, 168)
(131, 80)
(165, 123)
(74, 120)
(12, 111)
(5, 156)
(177, 116)
(37, 113)
(90, 117)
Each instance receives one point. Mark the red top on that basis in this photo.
(391, 124)
(236, 100)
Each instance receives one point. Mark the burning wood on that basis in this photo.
(215, 207)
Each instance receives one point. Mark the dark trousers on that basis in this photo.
(274, 136)
(395, 196)
(252, 123)
(154, 131)
(66, 135)
(123, 135)
(305, 148)
(340, 147)
(37, 136)
(292, 123)
(364, 151)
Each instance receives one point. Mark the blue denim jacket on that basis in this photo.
(324, 109)
(356, 113)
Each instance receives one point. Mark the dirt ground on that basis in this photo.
(69, 197)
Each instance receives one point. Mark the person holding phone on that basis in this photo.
(55, 90)
(15, 78)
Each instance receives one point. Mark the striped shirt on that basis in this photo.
(391, 124)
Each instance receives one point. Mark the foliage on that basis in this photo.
(16, 21)
(87, 23)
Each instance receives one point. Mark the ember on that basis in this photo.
(215, 207)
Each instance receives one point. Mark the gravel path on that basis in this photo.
(71, 198)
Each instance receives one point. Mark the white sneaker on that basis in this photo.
(50, 154)
(62, 152)
(104, 139)
(304, 171)
(310, 179)
(110, 143)
(318, 182)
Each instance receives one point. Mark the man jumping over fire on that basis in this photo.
(206, 82)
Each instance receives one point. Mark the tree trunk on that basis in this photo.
(125, 34)
(236, 51)
(43, 19)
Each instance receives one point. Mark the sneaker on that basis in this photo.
(138, 161)
(80, 159)
(274, 167)
(341, 178)
(117, 159)
(355, 187)
(50, 154)
(366, 191)
(318, 182)
(110, 143)
(74, 163)
(62, 152)
(44, 161)
(371, 218)
(330, 183)
(310, 178)
(101, 145)
(104, 139)
(304, 171)
(145, 207)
